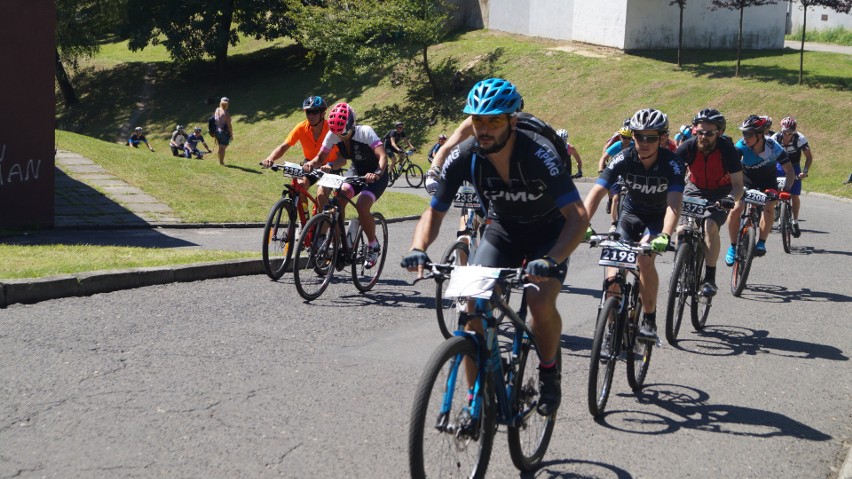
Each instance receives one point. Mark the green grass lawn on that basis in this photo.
(52, 260)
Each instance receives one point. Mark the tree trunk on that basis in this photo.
(802, 49)
(64, 82)
(428, 70)
(739, 43)
(680, 38)
(222, 34)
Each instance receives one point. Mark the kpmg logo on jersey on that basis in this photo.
(647, 184)
(495, 189)
(675, 167)
(551, 160)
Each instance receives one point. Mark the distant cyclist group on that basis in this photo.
(516, 171)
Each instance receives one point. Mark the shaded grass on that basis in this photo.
(52, 260)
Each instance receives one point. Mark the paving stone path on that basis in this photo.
(89, 196)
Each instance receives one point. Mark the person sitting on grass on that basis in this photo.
(190, 147)
(137, 137)
(177, 140)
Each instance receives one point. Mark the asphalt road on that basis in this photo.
(240, 378)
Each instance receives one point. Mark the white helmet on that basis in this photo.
(562, 134)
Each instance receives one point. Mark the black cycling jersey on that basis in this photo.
(647, 190)
(798, 143)
(539, 184)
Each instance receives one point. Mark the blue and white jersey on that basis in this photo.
(766, 159)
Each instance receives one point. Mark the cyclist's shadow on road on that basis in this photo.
(770, 293)
(737, 340)
(683, 407)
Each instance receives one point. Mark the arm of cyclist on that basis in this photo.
(809, 158)
(602, 162)
(790, 174)
(674, 202)
(277, 153)
(577, 220)
(425, 234)
(573, 152)
(380, 152)
(462, 132)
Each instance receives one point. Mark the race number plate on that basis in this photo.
(755, 197)
(293, 170)
(472, 282)
(782, 182)
(617, 257)
(331, 181)
(693, 207)
(466, 196)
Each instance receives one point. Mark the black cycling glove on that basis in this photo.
(727, 202)
(414, 258)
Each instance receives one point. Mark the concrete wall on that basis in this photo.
(468, 14)
(815, 18)
(640, 24)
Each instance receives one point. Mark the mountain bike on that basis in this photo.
(326, 246)
(755, 201)
(784, 216)
(458, 254)
(413, 173)
(618, 322)
(282, 229)
(453, 422)
(686, 279)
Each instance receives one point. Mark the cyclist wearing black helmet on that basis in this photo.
(309, 133)
(654, 178)
(716, 175)
(534, 206)
(759, 156)
(393, 142)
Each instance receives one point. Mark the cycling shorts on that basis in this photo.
(632, 227)
(374, 189)
(506, 246)
(761, 179)
(717, 216)
(797, 185)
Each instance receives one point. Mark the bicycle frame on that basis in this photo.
(297, 192)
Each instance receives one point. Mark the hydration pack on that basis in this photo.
(529, 122)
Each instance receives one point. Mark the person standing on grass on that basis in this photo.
(224, 129)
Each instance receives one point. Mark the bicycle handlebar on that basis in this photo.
(442, 272)
(613, 239)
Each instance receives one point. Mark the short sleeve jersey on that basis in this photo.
(539, 183)
(194, 140)
(303, 133)
(765, 161)
(794, 150)
(178, 138)
(360, 151)
(397, 137)
(616, 147)
(136, 139)
(647, 189)
(711, 171)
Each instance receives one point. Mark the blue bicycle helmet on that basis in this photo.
(493, 96)
(312, 102)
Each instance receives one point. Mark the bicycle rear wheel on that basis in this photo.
(443, 439)
(393, 174)
(414, 176)
(638, 352)
(365, 277)
(279, 238)
(680, 285)
(744, 256)
(700, 305)
(316, 253)
(786, 226)
(447, 310)
(528, 441)
(602, 366)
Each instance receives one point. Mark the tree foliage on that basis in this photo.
(195, 29)
(841, 6)
(740, 5)
(356, 37)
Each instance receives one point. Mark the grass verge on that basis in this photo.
(837, 35)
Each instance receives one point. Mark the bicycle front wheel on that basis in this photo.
(414, 176)
(444, 439)
(680, 285)
(279, 238)
(603, 356)
(786, 224)
(448, 313)
(743, 258)
(700, 306)
(364, 275)
(316, 253)
(638, 352)
(528, 440)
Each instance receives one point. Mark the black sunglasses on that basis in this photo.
(646, 138)
(313, 111)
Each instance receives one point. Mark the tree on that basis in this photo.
(681, 4)
(841, 6)
(355, 37)
(194, 29)
(79, 26)
(740, 5)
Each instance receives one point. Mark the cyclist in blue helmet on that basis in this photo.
(534, 208)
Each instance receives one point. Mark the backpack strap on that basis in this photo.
(475, 187)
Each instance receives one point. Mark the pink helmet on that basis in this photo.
(341, 120)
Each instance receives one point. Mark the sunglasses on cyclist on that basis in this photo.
(491, 122)
(313, 111)
(646, 138)
(788, 132)
(707, 133)
(748, 135)
(624, 137)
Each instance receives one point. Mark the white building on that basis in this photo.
(639, 24)
(819, 18)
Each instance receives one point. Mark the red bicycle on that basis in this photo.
(282, 229)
